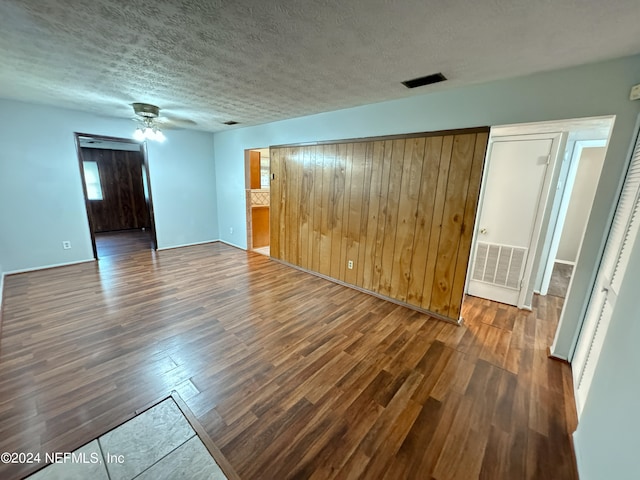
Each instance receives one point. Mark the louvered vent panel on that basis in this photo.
(517, 265)
(481, 258)
(492, 261)
(502, 271)
(499, 264)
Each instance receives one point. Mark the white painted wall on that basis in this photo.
(582, 195)
(183, 187)
(606, 441)
(591, 90)
(41, 200)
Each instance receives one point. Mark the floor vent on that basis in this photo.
(499, 264)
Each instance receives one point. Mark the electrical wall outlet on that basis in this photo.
(350, 264)
(635, 92)
(66, 244)
(230, 229)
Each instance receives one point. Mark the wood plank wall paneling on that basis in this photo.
(276, 205)
(475, 178)
(402, 209)
(407, 215)
(124, 205)
(318, 158)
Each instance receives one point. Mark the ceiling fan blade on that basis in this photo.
(175, 122)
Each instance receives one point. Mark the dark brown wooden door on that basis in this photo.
(123, 205)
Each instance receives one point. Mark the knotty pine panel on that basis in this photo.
(382, 209)
(374, 192)
(364, 213)
(407, 214)
(352, 232)
(452, 217)
(391, 217)
(345, 153)
(336, 212)
(401, 208)
(318, 159)
(293, 193)
(464, 250)
(277, 204)
(306, 197)
(436, 220)
(426, 204)
(326, 204)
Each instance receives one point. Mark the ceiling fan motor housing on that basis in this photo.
(145, 110)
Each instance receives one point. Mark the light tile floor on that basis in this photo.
(157, 444)
(263, 250)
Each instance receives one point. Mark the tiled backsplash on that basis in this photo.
(258, 197)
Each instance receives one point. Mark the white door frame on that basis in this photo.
(558, 142)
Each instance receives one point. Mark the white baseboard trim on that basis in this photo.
(187, 245)
(552, 354)
(372, 293)
(232, 244)
(560, 358)
(34, 269)
(46, 267)
(564, 262)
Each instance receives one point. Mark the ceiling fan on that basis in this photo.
(151, 124)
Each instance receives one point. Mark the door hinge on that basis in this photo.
(548, 159)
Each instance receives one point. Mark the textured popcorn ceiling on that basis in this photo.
(257, 61)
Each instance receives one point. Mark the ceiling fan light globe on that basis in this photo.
(138, 135)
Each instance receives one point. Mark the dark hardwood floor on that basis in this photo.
(292, 376)
(123, 242)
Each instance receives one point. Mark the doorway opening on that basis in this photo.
(117, 194)
(548, 200)
(584, 169)
(257, 182)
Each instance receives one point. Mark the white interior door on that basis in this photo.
(509, 219)
(613, 265)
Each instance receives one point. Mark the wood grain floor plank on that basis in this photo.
(292, 376)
